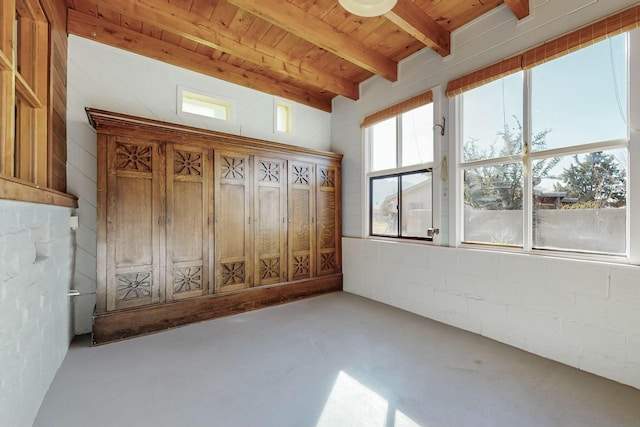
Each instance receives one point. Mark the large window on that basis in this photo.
(401, 155)
(544, 154)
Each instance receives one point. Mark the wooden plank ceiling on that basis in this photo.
(307, 51)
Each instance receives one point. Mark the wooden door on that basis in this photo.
(189, 205)
(233, 235)
(135, 223)
(302, 233)
(328, 245)
(270, 261)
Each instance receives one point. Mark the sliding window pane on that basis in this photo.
(384, 206)
(417, 210)
(493, 204)
(492, 119)
(417, 136)
(383, 145)
(580, 202)
(581, 97)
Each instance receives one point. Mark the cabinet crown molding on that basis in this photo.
(114, 123)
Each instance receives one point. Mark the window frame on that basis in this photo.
(289, 107)
(435, 167)
(28, 161)
(398, 175)
(528, 157)
(228, 104)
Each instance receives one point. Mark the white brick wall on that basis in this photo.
(104, 77)
(558, 309)
(35, 271)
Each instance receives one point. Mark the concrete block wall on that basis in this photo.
(104, 77)
(35, 274)
(583, 314)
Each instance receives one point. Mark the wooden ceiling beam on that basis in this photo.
(520, 8)
(406, 15)
(90, 27)
(308, 27)
(198, 29)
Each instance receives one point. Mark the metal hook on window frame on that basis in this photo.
(441, 126)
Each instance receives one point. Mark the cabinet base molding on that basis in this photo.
(118, 325)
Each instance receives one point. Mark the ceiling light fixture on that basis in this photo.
(368, 8)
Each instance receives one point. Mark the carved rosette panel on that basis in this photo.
(270, 268)
(133, 286)
(232, 168)
(301, 268)
(327, 178)
(187, 279)
(233, 273)
(300, 175)
(187, 163)
(327, 220)
(133, 158)
(269, 172)
(328, 261)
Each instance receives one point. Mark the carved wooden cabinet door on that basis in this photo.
(233, 235)
(135, 223)
(189, 209)
(270, 183)
(328, 245)
(302, 233)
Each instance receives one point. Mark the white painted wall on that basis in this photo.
(112, 79)
(584, 314)
(35, 274)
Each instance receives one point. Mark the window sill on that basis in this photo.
(22, 191)
(401, 240)
(550, 254)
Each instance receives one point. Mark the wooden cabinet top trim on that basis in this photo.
(110, 122)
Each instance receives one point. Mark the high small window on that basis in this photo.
(400, 169)
(284, 117)
(203, 105)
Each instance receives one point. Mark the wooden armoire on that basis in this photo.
(196, 224)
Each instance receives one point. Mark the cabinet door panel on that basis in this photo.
(302, 234)
(270, 228)
(233, 237)
(328, 255)
(135, 223)
(188, 212)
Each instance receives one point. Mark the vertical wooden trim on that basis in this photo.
(212, 223)
(7, 89)
(7, 16)
(313, 200)
(7, 123)
(159, 231)
(110, 219)
(41, 115)
(338, 233)
(101, 250)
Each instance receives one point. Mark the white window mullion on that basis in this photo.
(633, 167)
(527, 202)
(456, 205)
(399, 141)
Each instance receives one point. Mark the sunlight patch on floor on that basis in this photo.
(353, 404)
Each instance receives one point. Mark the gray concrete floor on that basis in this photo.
(331, 361)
